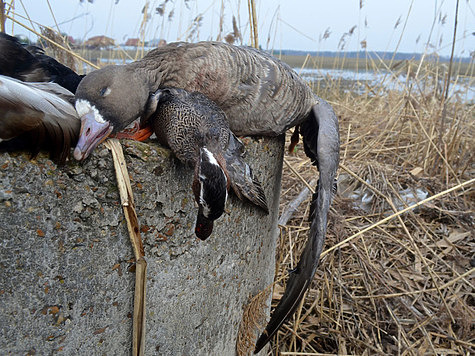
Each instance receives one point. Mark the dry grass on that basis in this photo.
(404, 287)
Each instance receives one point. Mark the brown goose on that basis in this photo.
(198, 133)
(259, 94)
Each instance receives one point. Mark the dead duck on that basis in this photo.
(36, 97)
(259, 94)
(210, 187)
(198, 133)
(31, 64)
(36, 116)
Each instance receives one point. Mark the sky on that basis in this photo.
(383, 25)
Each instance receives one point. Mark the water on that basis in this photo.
(383, 81)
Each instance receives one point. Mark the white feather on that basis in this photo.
(42, 97)
(84, 107)
(210, 156)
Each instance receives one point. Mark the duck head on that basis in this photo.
(210, 186)
(107, 100)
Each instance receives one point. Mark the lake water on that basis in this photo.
(359, 82)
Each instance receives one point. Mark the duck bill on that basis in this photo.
(93, 132)
(203, 226)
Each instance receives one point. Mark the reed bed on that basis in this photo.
(404, 287)
(387, 283)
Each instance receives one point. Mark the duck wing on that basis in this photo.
(31, 64)
(321, 143)
(243, 181)
(17, 62)
(37, 116)
(56, 71)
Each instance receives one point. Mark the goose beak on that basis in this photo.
(94, 130)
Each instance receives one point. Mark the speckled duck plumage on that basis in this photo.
(197, 131)
(187, 121)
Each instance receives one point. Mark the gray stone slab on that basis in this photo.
(66, 278)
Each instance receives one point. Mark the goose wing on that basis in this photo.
(260, 94)
(322, 144)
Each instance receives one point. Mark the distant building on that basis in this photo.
(156, 42)
(99, 41)
(134, 42)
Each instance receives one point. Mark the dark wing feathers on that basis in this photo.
(244, 183)
(322, 144)
(15, 60)
(31, 64)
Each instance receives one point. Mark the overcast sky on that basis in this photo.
(297, 24)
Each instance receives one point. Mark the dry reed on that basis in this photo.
(404, 286)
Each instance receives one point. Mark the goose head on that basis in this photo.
(210, 187)
(107, 101)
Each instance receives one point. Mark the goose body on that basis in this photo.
(259, 94)
(198, 133)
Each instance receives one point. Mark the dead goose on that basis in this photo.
(259, 94)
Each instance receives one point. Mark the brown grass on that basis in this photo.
(404, 287)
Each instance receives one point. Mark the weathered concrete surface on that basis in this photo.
(65, 284)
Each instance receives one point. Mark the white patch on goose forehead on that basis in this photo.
(84, 107)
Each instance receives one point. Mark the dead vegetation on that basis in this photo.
(405, 286)
(387, 284)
